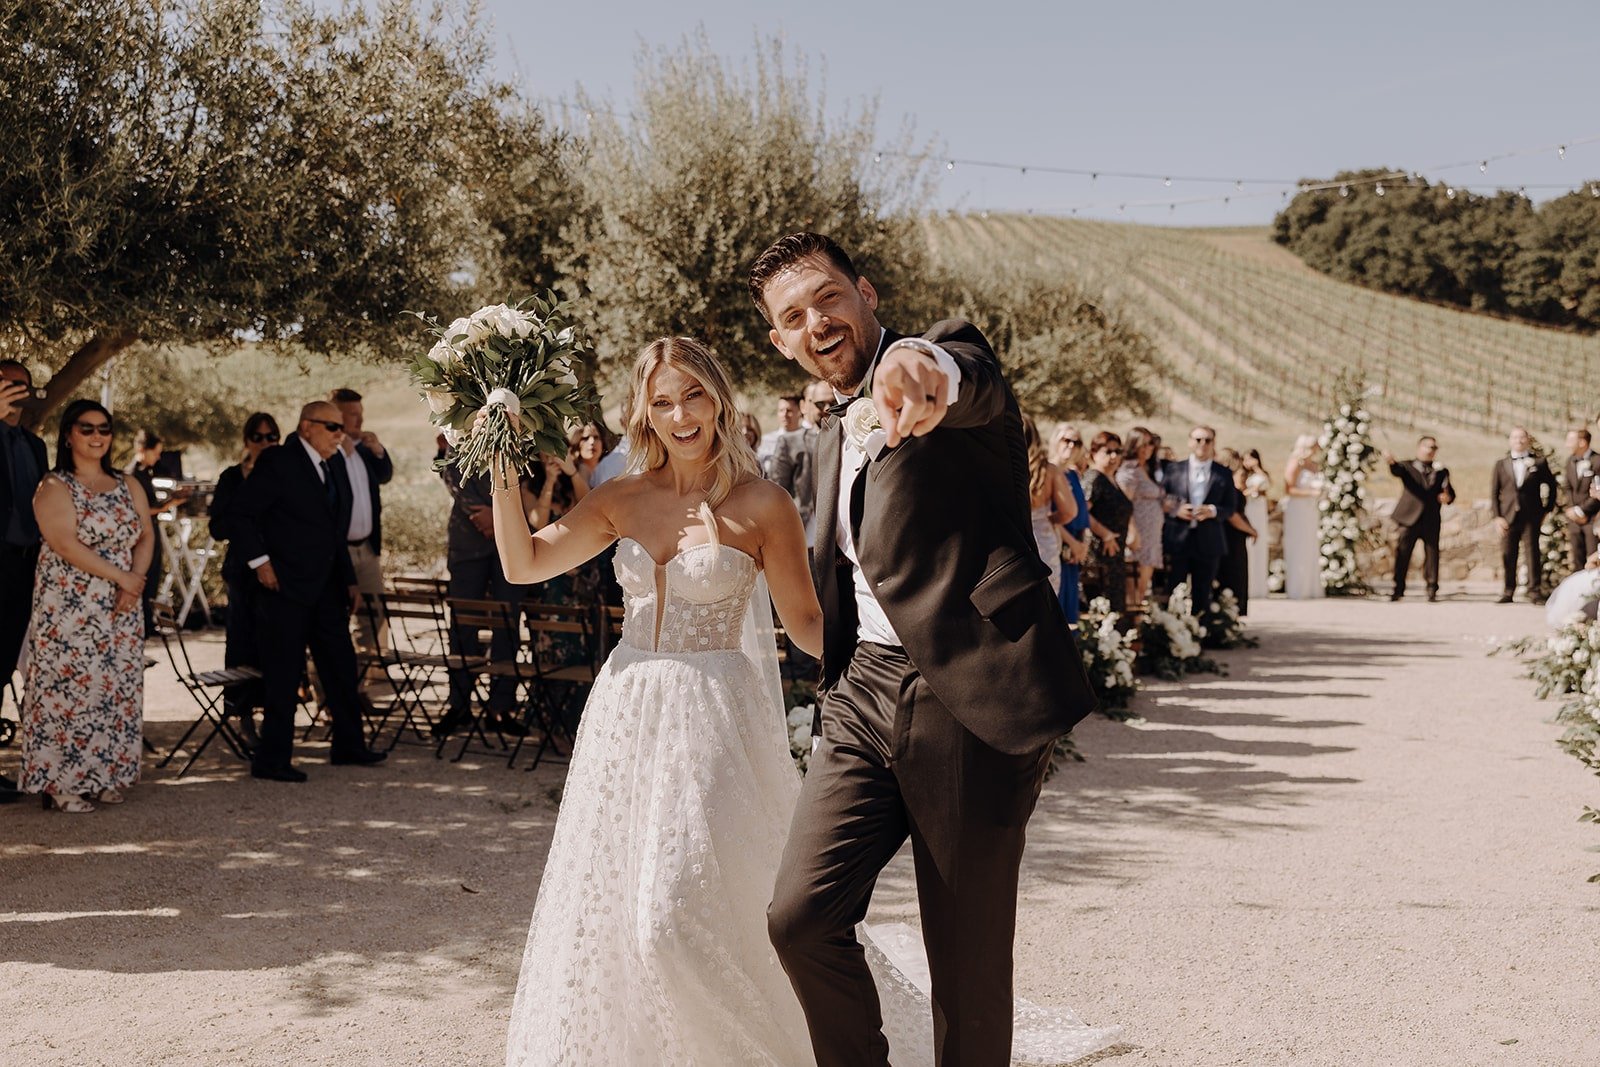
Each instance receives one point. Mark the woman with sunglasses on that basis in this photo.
(260, 433)
(1066, 453)
(1112, 509)
(83, 713)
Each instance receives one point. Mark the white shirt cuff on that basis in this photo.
(947, 364)
(258, 561)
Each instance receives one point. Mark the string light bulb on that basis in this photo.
(1378, 189)
(1561, 151)
(949, 164)
(877, 157)
(1449, 192)
(1167, 182)
(1344, 190)
(1483, 166)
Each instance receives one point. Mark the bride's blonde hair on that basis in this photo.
(732, 459)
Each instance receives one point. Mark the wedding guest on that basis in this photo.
(790, 416)
(476, 574)
(751, 428)
(792, 461)
(1159, 456)
(587, 445)
(1133, 478)
(556, 486)
(1302, 554)
(1424, 490)
(368, 466)
(817, 395)
(1067, 453)
(23, 461)
(1111, 509)
(243, 646)
(1521, 491)
(1578, 476)
(82, 716)
(292, 529)
(1257, 508)
(1234, 572)
(1199, 500)
(1051, 500)
(142, 468)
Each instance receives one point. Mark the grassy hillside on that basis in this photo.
(1254, 339)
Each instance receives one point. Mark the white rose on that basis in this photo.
(443, 354)
(440, 400)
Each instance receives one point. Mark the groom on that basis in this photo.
(948, 671)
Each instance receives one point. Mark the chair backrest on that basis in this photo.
(416, 621)
(416, 583)
(560, 623)
(165, 621)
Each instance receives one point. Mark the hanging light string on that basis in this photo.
(1279, 187)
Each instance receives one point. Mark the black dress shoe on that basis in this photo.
(285, 773)
(361, 757)
(1395, 596)
(1433, 598)
(1504, 600)
(449, 723)
(9, 794)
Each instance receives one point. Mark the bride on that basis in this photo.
(649, 939)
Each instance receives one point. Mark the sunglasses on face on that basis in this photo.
(331, 427)
(1202, 440)
(93, 429)
(270, 438)
(1112, 451)
(1073, 441)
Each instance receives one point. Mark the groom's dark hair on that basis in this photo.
(785, 252)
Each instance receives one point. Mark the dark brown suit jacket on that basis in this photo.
(943, 533)
(1510, 502)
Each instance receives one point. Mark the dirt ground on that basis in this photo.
(1358, 847)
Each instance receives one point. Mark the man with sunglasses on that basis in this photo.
(23, 462)
(1199, 500)
(293, 522)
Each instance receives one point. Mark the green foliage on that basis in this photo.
(202, 171)
(1496, 253)
(714, 165)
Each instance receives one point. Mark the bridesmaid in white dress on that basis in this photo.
(1256, 483)
(1302, 554)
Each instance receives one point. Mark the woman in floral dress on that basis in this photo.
(83, 711)
(1133, 478)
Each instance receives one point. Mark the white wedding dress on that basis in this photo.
(649, 939)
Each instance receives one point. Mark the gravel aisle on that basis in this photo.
(1360, 847)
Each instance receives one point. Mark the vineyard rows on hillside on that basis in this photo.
(1251, 334)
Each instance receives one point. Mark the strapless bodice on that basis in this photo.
(695, 602)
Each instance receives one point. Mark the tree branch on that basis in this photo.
(90, 357)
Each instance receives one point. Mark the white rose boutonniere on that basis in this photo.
(862, 427)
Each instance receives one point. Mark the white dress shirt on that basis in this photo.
(1521, 463)
(871, 622)
(360, 492)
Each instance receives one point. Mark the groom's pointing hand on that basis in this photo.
(909, 392)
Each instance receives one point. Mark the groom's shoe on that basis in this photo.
(1433, 597)
(1506, 599)
(1395, 596)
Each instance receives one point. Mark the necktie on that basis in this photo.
(839, 407)
(328, 488)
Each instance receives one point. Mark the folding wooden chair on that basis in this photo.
(417, 657)
(416, 584)
(556, 687)
(208, 688)
(477, 616)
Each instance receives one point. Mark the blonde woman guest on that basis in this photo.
(82, 716)
(750, 429)
(1302, 556)
(1067, 453)
(1254, 481)
(1133, 478)
(1051, 500)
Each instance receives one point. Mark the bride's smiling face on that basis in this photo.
(682, 414)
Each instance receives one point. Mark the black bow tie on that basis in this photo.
(839, 407)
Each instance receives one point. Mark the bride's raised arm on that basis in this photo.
(576, 537)
(787, 566)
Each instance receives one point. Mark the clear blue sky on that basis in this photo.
(1206, 87)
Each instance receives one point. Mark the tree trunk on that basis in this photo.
(80, 366)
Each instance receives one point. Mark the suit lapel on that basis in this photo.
(830, 438)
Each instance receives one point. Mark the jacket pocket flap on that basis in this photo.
(1008, 577)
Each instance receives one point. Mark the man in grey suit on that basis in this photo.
(1581, 508)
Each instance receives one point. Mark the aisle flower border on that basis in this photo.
(1346, 441)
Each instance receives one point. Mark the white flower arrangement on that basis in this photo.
(799, 720)
(1347, 444)
(518, 361)
(1109, 657)
(1170, 639)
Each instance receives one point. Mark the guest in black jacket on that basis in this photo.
(293, 518)
(23, 462)
(1199, 501)
(1581, 473)
(1521, 492)
(260, 434)
(1424, 489)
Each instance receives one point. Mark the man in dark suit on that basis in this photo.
(1577, 479)
(368, 466)
(1521, 491)
(291, 523)
(1199, 500)
(948, 671)
(23, 462)
(1424, 489)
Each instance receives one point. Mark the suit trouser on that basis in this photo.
(483, 579)
(1582, 542)
(243, 647)
(894, 763)
(1405, 545)
(369, 579)
(1522, 533)
(1199, 571)
(17, 568)
(286, 630)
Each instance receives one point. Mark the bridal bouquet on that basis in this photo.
(520, 363)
